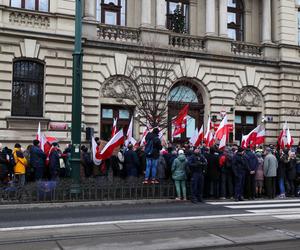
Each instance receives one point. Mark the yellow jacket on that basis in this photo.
(21, 163)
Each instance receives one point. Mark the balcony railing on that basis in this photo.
(246, 49)
(118, 33)
(186, 42)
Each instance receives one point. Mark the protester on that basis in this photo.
(4, 161)
(281, 171)
(152, 149)
(86, 164)
(259, 176)
(161, 166)
(37, 160)
(213, 172)
(131, 163)
(291, 174)
(198, 167)
(179, 175)
(252, 162)
(20, 165)
(270, 172)
(54, 162)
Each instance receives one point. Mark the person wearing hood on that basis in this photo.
(54, 164)
(20, 164)
(179, 175)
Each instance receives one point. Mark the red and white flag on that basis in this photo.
(222, 133)
(180, 121)
(250, 138)
(285, 139)
(200, 137)
(193, 139)
(130, 138)
(261, 135)
(114, 128)
(38, 134)
(96, 153)
(209, 137)
(109, 148)
(143, 140)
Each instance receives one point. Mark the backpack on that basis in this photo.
(149, 148)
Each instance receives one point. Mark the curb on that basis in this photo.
(86, 204)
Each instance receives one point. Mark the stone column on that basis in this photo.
(210, 17)
(146, 13)
(266, 22)
(90, 10)
(223, 18)
(161, 11)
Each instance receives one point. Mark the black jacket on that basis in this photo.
(131, 163)
(156, 145)
(239, 165)
(197, 164)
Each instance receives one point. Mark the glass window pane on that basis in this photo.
(16, 3)
(123, 114)
(238, 119)
(98, 10)
(231, 17)
(30, 4)
(190, 126)
(232, 3)
(107, 113)
(43, 5)
(115, 2)
(110, 17)
(183, 94)
(232, 34)
(249, 120)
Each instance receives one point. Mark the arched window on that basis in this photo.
(27, 88)
(111, 12)
(185, 92)
(235, 20)
(178, 15)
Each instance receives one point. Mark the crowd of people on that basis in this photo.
(231, 173)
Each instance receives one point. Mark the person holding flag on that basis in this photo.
(37, 160)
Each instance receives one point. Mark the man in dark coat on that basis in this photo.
(250, 184)
(213, 172)
(3, 166)
(239, 168)
(131, 161)
(37, 160)
(54, 164)
(152, 149)
(198, 166)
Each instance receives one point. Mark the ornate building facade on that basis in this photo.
(235, 56)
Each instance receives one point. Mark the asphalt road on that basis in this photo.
(175, 225)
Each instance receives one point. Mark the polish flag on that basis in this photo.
(143, 140)
(250, 139)
(285, 139)
(222, 133)
(38, 134)
(96, 153)
(193, 139)
(107, 151)
(209, 137)
(130, 138)
(114, 128)
(180, 121)
(200, 137)
(261, 135)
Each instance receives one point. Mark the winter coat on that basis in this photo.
(197, 164)
(239, 165)
(161, 168)
(142, 161)
(213, 168)
(270, 166)
(131, 163)
(179, 168)
(37, 157)
(3, 165)
(54, 164)
(20, 160)
(291, 170)
(86, 165)
(259, 174)
(252, 160)
(156, 145)
(282, 166)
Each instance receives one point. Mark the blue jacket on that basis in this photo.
(37, 157)
(252, 160)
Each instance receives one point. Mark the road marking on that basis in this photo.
(288, 216)
(252, 202)
(263, 206)
(280, 210)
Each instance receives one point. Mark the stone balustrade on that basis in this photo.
(118, 33)
(31, 19)
(186, 42)
(246, 49)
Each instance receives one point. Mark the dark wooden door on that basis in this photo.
(244, 123)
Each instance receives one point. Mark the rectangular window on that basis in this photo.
(249, 120)
(112, 12)
(123, 114)
(238, 119)
(38, 5)
(107, 113)
(178, 16)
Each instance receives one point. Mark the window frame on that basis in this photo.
(36, 5)
(28, 112)
(110, 7)
(169, 15)
(238, 26)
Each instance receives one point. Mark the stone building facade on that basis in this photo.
(238, 57)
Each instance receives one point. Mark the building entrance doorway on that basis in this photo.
(244, 123)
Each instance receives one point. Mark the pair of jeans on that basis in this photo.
(21, 179)
(180, 189)
(239, 186)
(281, 186)
(151, 168)
(197, 186)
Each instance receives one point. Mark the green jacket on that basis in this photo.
(179, 168)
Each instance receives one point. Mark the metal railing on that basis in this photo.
(246, 49)
(186, 42)
(91, 190)
(118, 33)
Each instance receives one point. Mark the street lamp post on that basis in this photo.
(76, 100)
